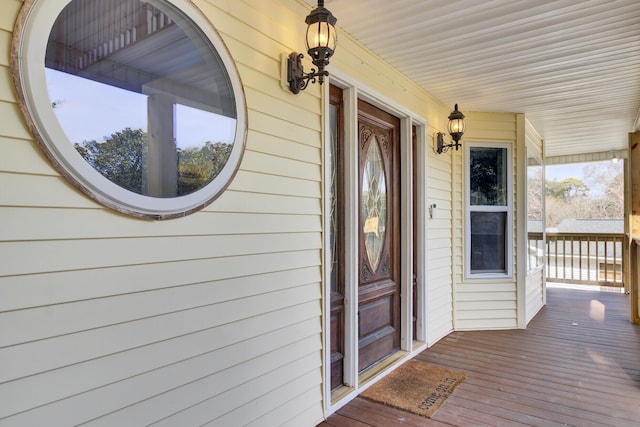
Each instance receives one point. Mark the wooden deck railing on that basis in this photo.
(593, 259)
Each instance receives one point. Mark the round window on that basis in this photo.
(137, 102)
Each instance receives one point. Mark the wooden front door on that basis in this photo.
(378, 233)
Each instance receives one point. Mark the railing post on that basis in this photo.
(634, 286)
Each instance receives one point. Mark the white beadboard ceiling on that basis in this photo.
(572, 66)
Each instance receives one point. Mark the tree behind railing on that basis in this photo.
(585, 258)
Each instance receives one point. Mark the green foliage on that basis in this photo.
(199, 166)
(121, 159)
(601, 197)
(567, 188)
(488, 184)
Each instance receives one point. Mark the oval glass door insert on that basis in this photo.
(374, 203)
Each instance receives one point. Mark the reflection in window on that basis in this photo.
(488, 242)
(374, 203)
(333, 196)
(488, 176)
(489, 210)
(141, 95)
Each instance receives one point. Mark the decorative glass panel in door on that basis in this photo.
(374, 204)
(336, 239)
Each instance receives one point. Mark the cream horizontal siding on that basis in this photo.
(16, 156)
(486, 306)
(6, 82)
(10, 9)
(211, 223)
(25, 291)
(49, 256)
(205, 351)
(439, 249)
(214, 317)
(483, 303)
(287, 381)
(38, 323)
(6, 27)
(535, 295)
(12, 120)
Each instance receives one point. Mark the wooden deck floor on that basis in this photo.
(577, 364)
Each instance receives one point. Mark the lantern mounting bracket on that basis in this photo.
(441, 147)
(297, 78)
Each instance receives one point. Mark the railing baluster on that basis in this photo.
(606, 263)
(564, 257)
(574, 262)
(615, 256)
(594, 251)
(556, 257)
(580, 257)
(589, 258)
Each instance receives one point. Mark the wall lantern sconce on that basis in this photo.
(456, 130)
(321, 43)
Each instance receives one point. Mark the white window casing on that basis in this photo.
(489, 256)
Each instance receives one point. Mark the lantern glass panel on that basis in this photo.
(321, 34)
(456, 126)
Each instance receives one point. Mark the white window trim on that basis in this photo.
(28, 52)
(468, 209)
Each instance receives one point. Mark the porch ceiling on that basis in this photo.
(572, 66)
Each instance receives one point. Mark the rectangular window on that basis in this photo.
(489, 210)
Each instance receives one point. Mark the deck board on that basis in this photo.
(577, 363)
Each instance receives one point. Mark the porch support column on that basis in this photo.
(522, 240)
(162, 157)
(634, 223)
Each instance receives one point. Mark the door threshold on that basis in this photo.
(380, 367)
(340, 393)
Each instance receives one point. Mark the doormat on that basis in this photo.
(416, 386)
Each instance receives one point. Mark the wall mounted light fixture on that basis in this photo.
(321, 42)
(456, 130)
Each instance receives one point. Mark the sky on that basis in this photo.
(560, 172)
(575, 170)
(88, 110)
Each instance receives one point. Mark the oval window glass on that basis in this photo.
(144, 99)
(374, 203)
